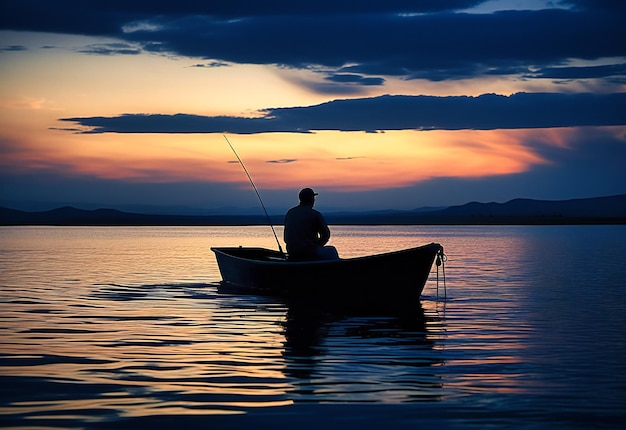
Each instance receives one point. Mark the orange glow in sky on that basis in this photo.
(338, 160)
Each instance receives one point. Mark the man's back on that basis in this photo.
(305, 231)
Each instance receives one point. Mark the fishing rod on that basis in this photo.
(269, 220)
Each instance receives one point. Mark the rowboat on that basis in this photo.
(388, 278)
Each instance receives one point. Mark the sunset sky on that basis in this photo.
(394, 104)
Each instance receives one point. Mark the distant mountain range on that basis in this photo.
(599, 210)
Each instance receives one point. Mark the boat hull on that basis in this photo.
(391, 277)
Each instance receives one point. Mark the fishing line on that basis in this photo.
(269, 220)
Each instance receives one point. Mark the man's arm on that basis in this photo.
(324, 231)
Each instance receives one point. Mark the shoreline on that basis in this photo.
(503, 221)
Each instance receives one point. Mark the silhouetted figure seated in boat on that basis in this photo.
(306, 231)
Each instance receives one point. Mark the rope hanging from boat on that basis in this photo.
(440, 261)
(269, 220)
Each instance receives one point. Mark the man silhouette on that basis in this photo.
(306, 231)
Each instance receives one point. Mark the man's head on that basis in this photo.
(307, 196)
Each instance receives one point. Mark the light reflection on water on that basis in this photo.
(112, 326)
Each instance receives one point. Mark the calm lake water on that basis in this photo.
(125, 328)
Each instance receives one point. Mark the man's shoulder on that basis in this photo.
(303, 210)
(313, 211)
(294, 212)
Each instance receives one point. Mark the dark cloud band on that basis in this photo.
(486, 112)
(357, 41)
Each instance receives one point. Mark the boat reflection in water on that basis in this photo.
(360, 357)
(344, 354)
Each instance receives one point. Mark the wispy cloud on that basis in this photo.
(283, 161)
(581, 72)
(211, 65)
(111, 49)
(351, 78)
(13, 48)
